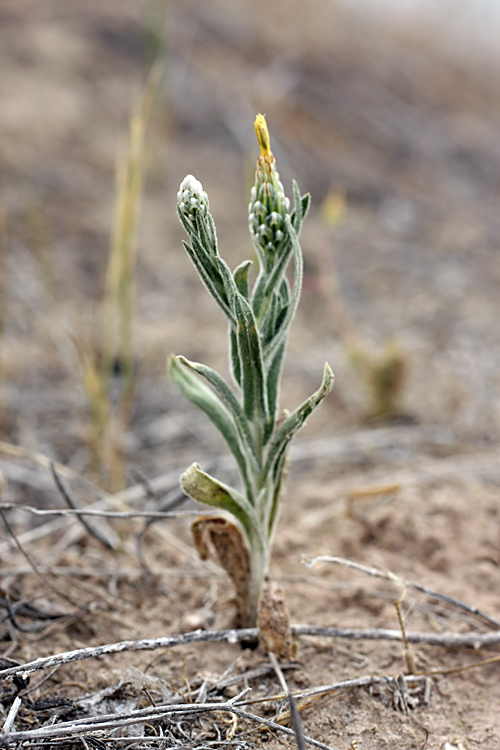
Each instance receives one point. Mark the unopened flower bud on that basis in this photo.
(191, 197)
(268, 204)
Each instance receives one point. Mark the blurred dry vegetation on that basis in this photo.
(398, 141)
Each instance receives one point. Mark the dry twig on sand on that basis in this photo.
(80, 727)
(389, 576)
(473, 640)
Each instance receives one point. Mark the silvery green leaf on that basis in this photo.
(204, 231)
(207, 490)
(279, 480)
(185, 222)
(240, 275)
(205, 399)
(213, 233)
(305, 202)
(252, 366)
(235, 355)
(231, 402)
(268, 325)
(209, 275)
(230, 288)
(273, 281)
(273, 384)
(297, 220)
(281, 336)
(294, 422)
(210, 263)
(258, 294)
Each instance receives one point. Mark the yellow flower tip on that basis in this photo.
(262, 134)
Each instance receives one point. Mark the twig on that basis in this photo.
(474, 640)
(297, 724)
(26, 628)
(105, 513)
(33, 566)
(112, 721)
(279, 674)
(453, 640)
(11, 716)
(89, 527)
(388, 576)
(409, 658)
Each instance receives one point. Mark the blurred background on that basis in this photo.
(389, 117)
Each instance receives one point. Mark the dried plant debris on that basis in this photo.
(273, 622)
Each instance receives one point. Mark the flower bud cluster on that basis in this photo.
(268, 206)
(191, 198)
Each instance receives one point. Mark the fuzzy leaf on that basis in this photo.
(204, 231)
(298, 207)
(274, 280)
(229, 399)
(230, 288)
(240, 276)
(205, 399)
(235, 356)
(252, 366)
(206, 489)
(271, 348)
(268, 325)
(273, 384)
(294, 422)
(209, 276)
(305, 202)
(258, 293)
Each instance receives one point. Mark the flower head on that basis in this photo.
(268, 204)
(191, 198)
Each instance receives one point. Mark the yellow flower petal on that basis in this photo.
(262, 134)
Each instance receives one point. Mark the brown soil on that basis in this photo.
(413, 142)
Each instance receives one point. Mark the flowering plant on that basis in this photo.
(260, 316)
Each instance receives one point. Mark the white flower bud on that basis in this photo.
(192, 198)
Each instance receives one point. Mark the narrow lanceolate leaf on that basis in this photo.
(235, 355)
(258, 294)
(205, 399)
(274, 280)
(230, 288)
(273, 384)
(298, 207)
(305, 202)
(252, 366)
(205, 489)
(210, 278)
(229, 399)
(240, 275)
(294, 422)
(270, 349)
(204, 231)
(268, 325)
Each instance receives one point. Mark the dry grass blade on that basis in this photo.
(114, 353)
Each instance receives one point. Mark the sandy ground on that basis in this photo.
(412, 142)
